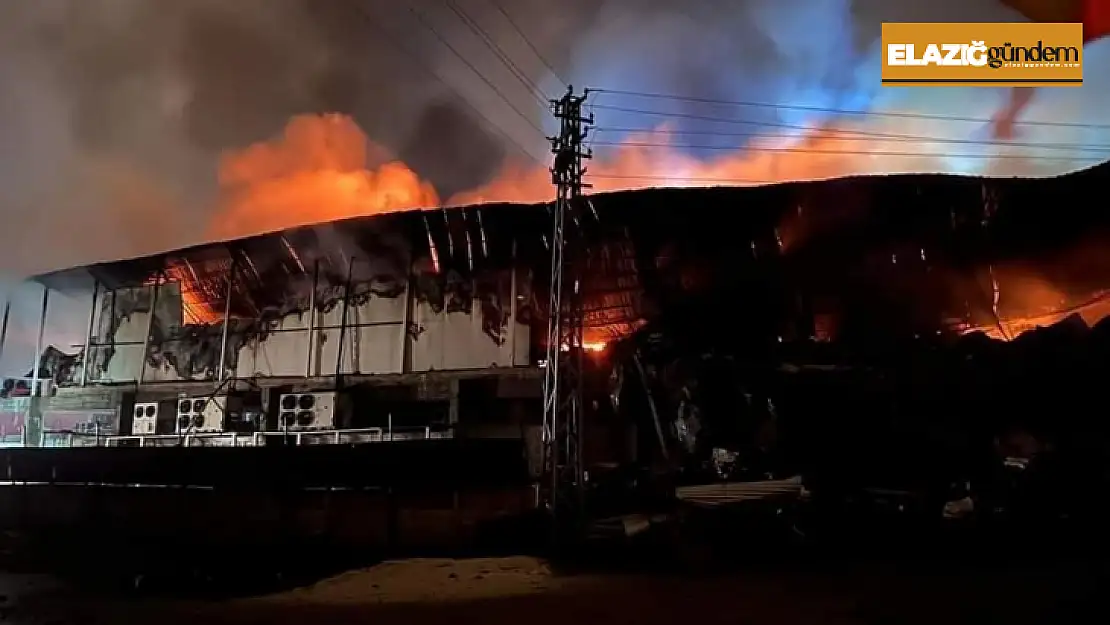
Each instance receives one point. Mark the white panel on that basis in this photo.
(132, 329)
(124, 365)
(455, 340)
(521, 344)
(368, 350)
(163, 373)
(281, 354)
(374, 310)
(372, 342)
(294, 322)
(19, 342)
(127, 359)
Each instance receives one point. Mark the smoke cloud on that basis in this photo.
(133, 127)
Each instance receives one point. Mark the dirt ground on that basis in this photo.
(525, 590)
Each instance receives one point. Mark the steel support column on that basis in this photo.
(38, 343)
(4, 325)
(86, 357)
(514, 307)
(343, 320)
(221, 372)
(149, 327)
(406, 318)
(312, 317)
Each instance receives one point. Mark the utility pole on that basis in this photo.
(563, 484)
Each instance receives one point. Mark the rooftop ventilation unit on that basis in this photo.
(145, 420)
(205, 414)
(309, 411)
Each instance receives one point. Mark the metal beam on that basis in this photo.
(4, 325)
(312, 317)
(38, 342)
(514, 307)
(149, 327)
(221, 373)
(343, 319)
(406, 318)
(86, 357)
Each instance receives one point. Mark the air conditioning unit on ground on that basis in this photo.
(145, 420)
(205, 414)
(310, 411)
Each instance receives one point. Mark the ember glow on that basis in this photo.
(591, 346)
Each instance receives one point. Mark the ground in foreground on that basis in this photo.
(525, 590)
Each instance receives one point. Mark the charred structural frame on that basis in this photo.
(381, 281)
(858, 260)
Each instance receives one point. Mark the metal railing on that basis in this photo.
(259, 439)
(248, 439)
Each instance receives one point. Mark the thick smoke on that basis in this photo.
(117, 114)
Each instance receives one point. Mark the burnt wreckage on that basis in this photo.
(773, 326)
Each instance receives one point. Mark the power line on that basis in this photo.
(477, 29)
(839, 111)
(724, 120)
(744, 122)
(431, 72)
(894, 138)
(694, 179)
(426, 24)
(736, 148)
(528, 41)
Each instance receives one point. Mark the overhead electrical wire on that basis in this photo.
(853, 135)
(690, 179)
(369, 19)
(798, 150)
(840, 111)
(832, 134)
(1083, 152)
(505, 59)
(528, 41)
(748, 122)
(427, 25)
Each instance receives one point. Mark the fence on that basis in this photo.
(297, 438)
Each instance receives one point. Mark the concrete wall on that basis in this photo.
(52, 525)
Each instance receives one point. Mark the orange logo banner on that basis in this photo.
(1021, 54)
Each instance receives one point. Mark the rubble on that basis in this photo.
(934, 411)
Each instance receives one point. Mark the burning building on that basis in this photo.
(435, 319)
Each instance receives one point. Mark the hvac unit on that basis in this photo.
(309, 411)
(206, 414)
(145, 421)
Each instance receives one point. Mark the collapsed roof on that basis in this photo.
(927, 252)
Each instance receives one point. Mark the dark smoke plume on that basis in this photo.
(114, 113)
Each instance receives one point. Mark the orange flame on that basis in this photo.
(650, 160)
(319, 170)
(323, 168)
